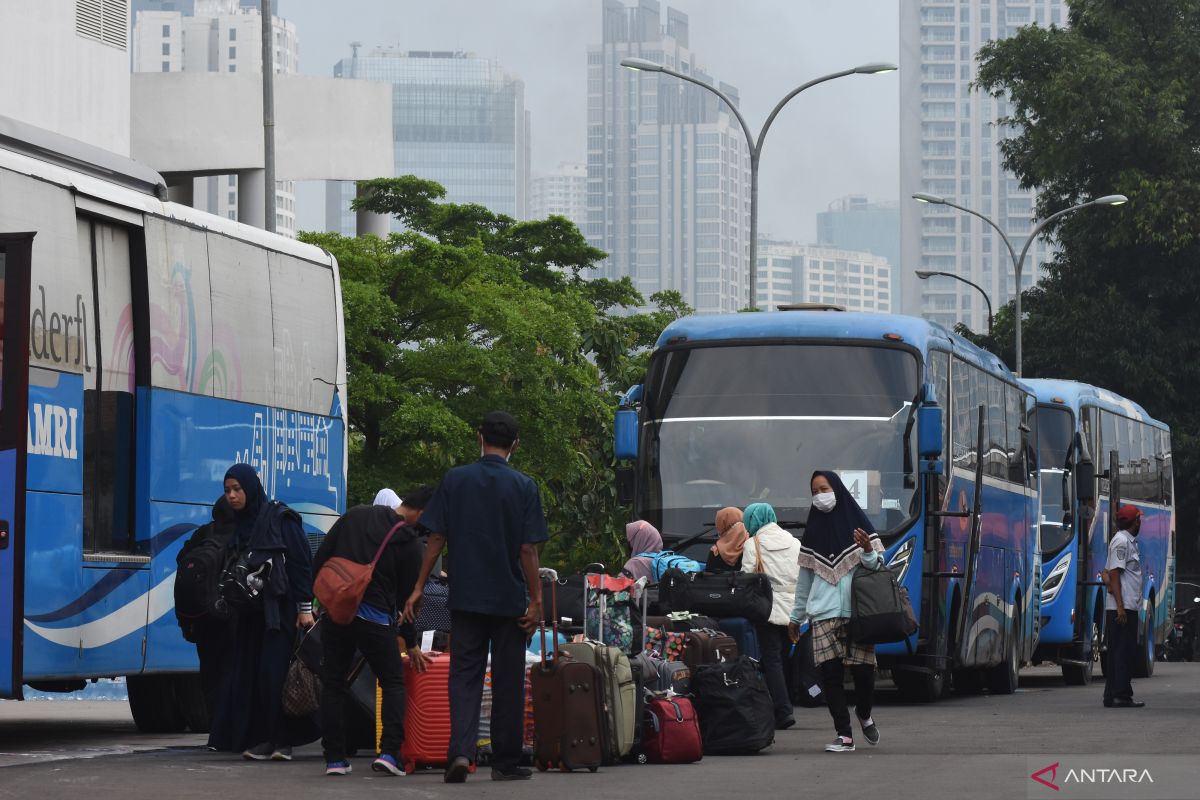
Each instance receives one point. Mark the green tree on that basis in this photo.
(1112, 104)
(467, 311)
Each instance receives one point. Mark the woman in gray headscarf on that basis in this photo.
(643, 538)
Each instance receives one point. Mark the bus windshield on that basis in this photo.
(738, 424)
(1054, 440)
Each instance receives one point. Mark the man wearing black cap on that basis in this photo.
(1123, 573)
(491, 516)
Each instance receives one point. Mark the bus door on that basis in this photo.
(15, 250)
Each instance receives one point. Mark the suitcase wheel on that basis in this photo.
(592, 769)
(410, 767)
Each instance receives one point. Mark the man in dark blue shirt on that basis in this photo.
(491, 516)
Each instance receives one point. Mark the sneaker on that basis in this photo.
(338, 768)
(457, 771)
(260, 752)
(282, 754)
(514, 774)
(386, 763)
(842, 744)
(869, 730)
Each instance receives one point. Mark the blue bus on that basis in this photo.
(929, 432)
(1097, 451)
(147, 346)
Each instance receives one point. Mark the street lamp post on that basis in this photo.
(755, 145)
(1019, 261)
(925, 274)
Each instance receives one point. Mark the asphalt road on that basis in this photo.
(977, 747)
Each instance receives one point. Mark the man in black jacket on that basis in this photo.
(357, 536)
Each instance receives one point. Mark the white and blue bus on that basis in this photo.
(929, 432)
(1097, 451)
(147, 346)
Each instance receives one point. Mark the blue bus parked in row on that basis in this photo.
(930, 433)
(1097, 451)
(147, 346)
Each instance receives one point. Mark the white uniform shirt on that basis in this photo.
(1123, 555)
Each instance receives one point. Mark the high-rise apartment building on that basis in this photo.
(795, 273)
(215, 36)
(668, 186)
(949, 148)
(854, 222)
(561, 191)
(458, 119)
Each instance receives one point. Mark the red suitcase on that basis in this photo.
(671, 731)
(427, 714)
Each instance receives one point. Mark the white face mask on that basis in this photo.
(825, 501)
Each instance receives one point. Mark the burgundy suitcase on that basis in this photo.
(568, 707)
(708, 647)
(671, 731)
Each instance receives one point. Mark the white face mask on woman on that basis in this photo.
(825, 501)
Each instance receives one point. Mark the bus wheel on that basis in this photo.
(153, 705)
(920, 687)
(968, 681)
(1144, 666)
(1004, 677)
(1089, 653)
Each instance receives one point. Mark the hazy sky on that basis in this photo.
(835, 139)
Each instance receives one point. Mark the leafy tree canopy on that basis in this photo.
(467, 311)
(1111, 104)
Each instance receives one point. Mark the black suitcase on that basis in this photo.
(730, 594)
(734, 706)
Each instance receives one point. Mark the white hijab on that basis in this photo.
(386, 497)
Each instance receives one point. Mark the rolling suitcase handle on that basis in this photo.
(544, 574)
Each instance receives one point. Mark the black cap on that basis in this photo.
(499, 429)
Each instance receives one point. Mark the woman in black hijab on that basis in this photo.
(249, 717)
(837, 538)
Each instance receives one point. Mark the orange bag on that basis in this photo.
(341, 583)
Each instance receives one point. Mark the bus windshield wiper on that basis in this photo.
(682, 543)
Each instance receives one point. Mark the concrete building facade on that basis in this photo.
(668, 186)
(949, 148)
(216, 36)
(561, 191)
(457, 118)
(794, 273)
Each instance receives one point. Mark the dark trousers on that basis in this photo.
(1122, 651)
(833, 684)
(379, 646)
(470, 635)
(773, 641)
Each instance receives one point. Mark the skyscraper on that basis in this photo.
(458, 119)
(668, 186)
(215, 36)
(561, 191)
(949, 147)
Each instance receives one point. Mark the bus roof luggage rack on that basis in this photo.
(810, 307)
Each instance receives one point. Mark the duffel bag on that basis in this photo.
(726, 594)
(671, 732)
(734, 706)
(877, 608)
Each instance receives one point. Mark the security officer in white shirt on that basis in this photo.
(1123, 574)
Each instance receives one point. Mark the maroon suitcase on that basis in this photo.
(568, 708)
(707, 647)
(671, 731)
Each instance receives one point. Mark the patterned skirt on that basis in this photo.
(830, 641)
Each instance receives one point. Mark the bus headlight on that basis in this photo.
(1053, 583)
(902, 559)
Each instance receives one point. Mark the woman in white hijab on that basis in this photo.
(386, 497)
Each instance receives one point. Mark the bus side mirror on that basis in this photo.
(1085, 481)
(625, 483)
(930, 426)
(625, 424)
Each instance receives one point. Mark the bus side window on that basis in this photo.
(1108, 443)
(1164, 448)
(1012, 419)
(964, 432)
(939, 372)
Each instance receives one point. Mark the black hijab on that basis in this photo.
(828, 547)
(256, 498)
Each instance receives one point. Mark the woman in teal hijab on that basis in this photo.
(773, 551)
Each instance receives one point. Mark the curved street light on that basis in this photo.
(1019, 261)
(926, 274)
(755, 145)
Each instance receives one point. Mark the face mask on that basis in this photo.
(825, 501)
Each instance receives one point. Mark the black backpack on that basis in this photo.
(202, 563)
(880, 611)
